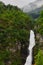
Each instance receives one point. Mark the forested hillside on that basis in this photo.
(38, 50)
(14, 35)
(15, 29)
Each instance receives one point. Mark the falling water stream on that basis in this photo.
(30, 48)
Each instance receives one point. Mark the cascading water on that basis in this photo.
(31, 45)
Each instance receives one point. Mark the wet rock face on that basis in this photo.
(39, 41)
(35, 51)
(24, 52)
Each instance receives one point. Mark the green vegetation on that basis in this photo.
(39, 58)
(15, 28)
(14, 31)
(39, 39)
(39, 24)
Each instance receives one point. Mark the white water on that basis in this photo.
(31, 45)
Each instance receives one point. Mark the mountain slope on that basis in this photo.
(35, 13)
(32, 6)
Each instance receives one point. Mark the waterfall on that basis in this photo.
(31, 45)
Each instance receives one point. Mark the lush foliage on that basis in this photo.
(39, 58)
(39, 23)
(14, 34)
(39, 39)
(14, 28)
(14, 24)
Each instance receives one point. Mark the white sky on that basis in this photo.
(19, 3)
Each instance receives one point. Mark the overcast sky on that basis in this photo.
(19, 3)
